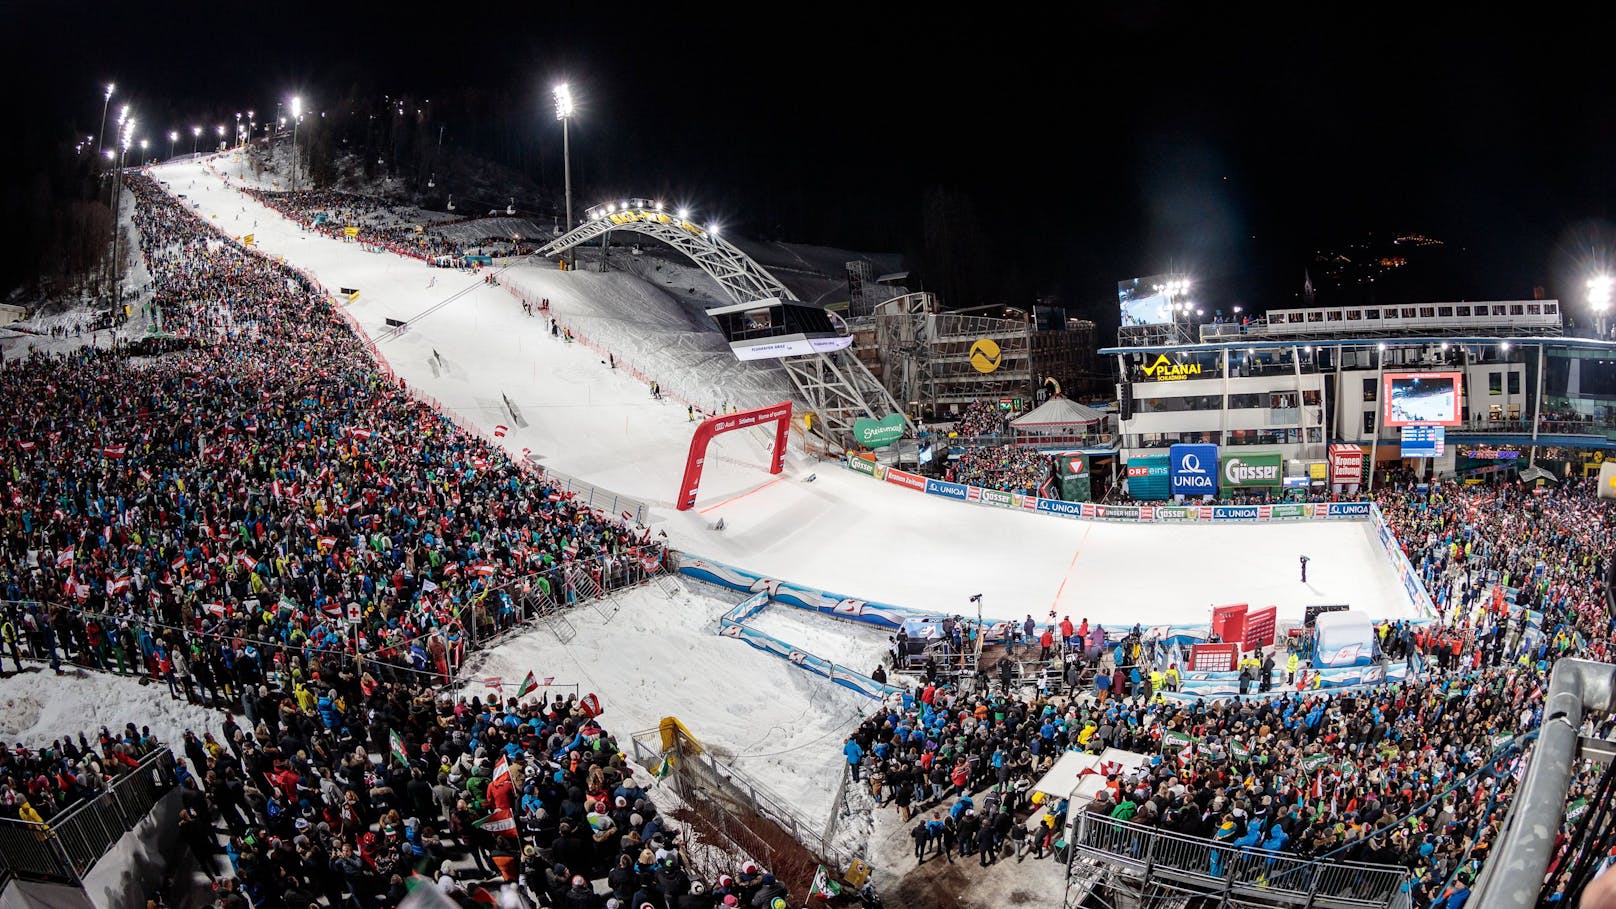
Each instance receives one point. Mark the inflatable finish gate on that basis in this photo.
(745, 419)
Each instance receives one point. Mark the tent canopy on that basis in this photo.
(1057, 411)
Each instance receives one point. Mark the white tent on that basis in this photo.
(1054, 414)
(1070, 777)
(1062, 779)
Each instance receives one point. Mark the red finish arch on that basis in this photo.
(745, 419)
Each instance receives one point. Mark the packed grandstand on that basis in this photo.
(256, 516)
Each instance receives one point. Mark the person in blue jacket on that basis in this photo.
(855, 757)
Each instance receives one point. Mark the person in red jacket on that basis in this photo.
(1047, 642)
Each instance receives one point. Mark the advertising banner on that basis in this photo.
(1346, 464)
(1176, 513)
(1236, 512)
(1293, 510)
(1245, 471)
(1147, 477)
(946, 490)
(1064, 509)
(906, 479)
(862, 466)
(1117, 512)
(1192, 470)
(996, 497)
(1348, 510)
(878, 433)
(1073, 472)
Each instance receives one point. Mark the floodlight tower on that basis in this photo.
(564, 109)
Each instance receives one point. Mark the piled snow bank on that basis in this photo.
(659, 656)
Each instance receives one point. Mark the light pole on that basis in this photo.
(105, 103)
(143, 146)
(564, 108)
(196, 136)
(220, 130)
(297, 117)
(1599, 298)
(173, 137)
(117, 196)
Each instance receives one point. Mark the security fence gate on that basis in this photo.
(65, 848)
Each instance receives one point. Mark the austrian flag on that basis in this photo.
(246, 561)
(114, 451)
(500, 431)
(359, 433)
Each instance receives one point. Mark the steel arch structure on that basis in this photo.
(837, 387)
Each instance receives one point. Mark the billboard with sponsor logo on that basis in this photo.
(1065, 509)
(1348, 510)
(1147, 477)
(862, 466)
(906, 479)
(1245, 471)
(996, 497)
(946, 490)
(1192, 470)
(1176, 513)
(1236, 512)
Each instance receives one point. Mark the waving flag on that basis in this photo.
(359, 433)
(26, 446)
(246, 561)
(332, 609)
(501, 822)
(529, 684)
(118, 585)
(502, 769)
(114, 451)
(396, 743)
(64, 559)
(178, 564)
(500, 431)
(590, 705)
(483, 569)
(214, 609)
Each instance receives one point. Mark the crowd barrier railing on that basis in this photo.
(1236, 873)
(64, 848)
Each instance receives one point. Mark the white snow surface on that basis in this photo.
(662, 657)
(37, 707)
(856, 646)
(843, 532)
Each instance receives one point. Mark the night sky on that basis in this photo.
(1093, 146)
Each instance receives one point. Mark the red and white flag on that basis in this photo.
(483, 569)
(215, 609)
(115, 451)
(328, 542)
(502, 769)
(118, 585)
(590, 705)
(500, 431)
(178, 564)
(359, 433)
(501, 822)
(26, 446)
(64, 559)
(246, 561)
(332, 609)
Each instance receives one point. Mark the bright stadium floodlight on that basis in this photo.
(1503, 346)
(563, 111)
(297, 106)
(105, 103)
(1599, 298)
(563, 101)
(684, 214)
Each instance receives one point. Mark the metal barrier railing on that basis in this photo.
(1218, 869)
(66, 847)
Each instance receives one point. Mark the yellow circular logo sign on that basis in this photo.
(985, 355)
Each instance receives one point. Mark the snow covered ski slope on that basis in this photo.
(842, 532)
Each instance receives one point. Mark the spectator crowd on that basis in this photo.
(257, 518)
